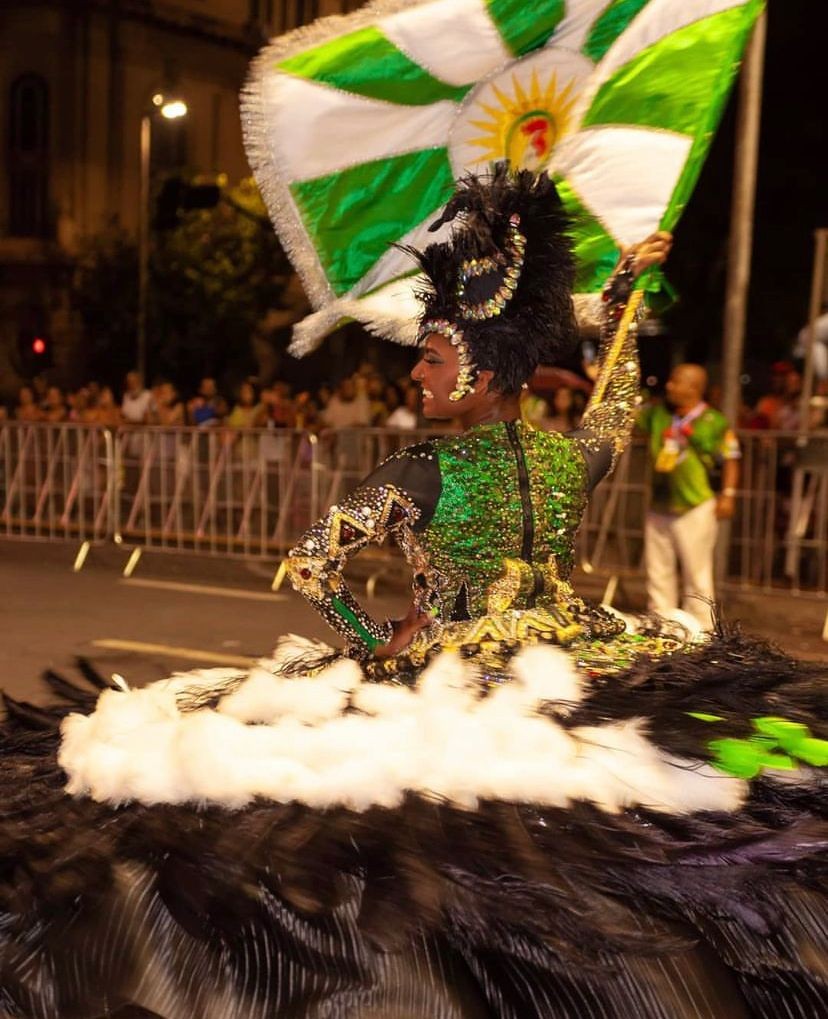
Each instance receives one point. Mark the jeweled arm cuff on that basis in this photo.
(611, 410)
(321, 583)
(315, 566)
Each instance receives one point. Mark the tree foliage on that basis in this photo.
(213, 278)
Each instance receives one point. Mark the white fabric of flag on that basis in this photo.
(357, 128)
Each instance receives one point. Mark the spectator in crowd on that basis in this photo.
(819, 406)
(567, 407)
(79, 406)
(54, 409)
(375, 390)
(166, 409)
(306, 412)
(391, 396)
(27, 409)
(766, 412)
(248, 411)
(407, 415)
(349, 406)
(789, 414)
(207, 408)
(323, 396)
(106, 411)
(136, 404)
(695, 458)
(281, 412)
(40, 387)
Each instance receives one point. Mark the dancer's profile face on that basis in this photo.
(436, 375)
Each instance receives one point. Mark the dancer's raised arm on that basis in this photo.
(608, 419)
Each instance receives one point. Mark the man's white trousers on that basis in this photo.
(678, 559)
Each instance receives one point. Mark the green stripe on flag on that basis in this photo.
(353, 216)
(596, 251)
(525, 26)
(609, 25)
(671, 84)
(709, 122)
(369, 64)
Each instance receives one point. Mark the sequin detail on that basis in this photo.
(610, 413)
(315, 565)
(476, 527)
(478, 522)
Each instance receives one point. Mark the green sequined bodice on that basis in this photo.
(507, 492)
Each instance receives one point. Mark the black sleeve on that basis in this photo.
(598, 453)
(400, 495)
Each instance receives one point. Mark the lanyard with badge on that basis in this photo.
(675, 440)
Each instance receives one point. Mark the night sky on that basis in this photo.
(791, 201)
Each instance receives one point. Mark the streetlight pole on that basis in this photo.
(171, 108)
(143, 244)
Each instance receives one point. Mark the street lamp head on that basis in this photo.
(172, 109)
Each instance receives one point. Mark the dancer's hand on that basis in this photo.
(405, 631)
(649, 252)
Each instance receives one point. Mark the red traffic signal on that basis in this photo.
(34, 352)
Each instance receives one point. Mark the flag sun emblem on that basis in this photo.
(521, 114)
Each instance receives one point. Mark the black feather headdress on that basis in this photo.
(504, 279)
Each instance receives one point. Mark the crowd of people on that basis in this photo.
(780, 408)
(364, 399)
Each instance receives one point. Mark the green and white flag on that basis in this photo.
(357, 128)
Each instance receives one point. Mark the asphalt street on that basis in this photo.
(174, 613)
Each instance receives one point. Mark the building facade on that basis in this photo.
(76, 77)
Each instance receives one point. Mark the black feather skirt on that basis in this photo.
(572, 902)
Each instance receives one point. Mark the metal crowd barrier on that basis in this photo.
(252, 493)
(56, 482)
(214, 491)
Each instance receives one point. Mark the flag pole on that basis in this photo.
(740, 245)
(741, 219)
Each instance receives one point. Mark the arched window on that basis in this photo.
(29, 157)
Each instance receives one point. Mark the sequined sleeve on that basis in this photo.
(315, 565)
(609, 416)
(400, 495)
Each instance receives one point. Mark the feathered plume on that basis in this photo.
(536, 322)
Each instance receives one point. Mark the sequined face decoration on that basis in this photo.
(439, 372)
(466, 369)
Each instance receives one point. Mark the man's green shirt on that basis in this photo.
(688, 485)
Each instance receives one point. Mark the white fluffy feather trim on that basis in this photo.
(288, 739)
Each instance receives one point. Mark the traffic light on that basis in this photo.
(176, 195)
(34, 352)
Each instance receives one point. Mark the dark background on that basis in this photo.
(791, 202)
